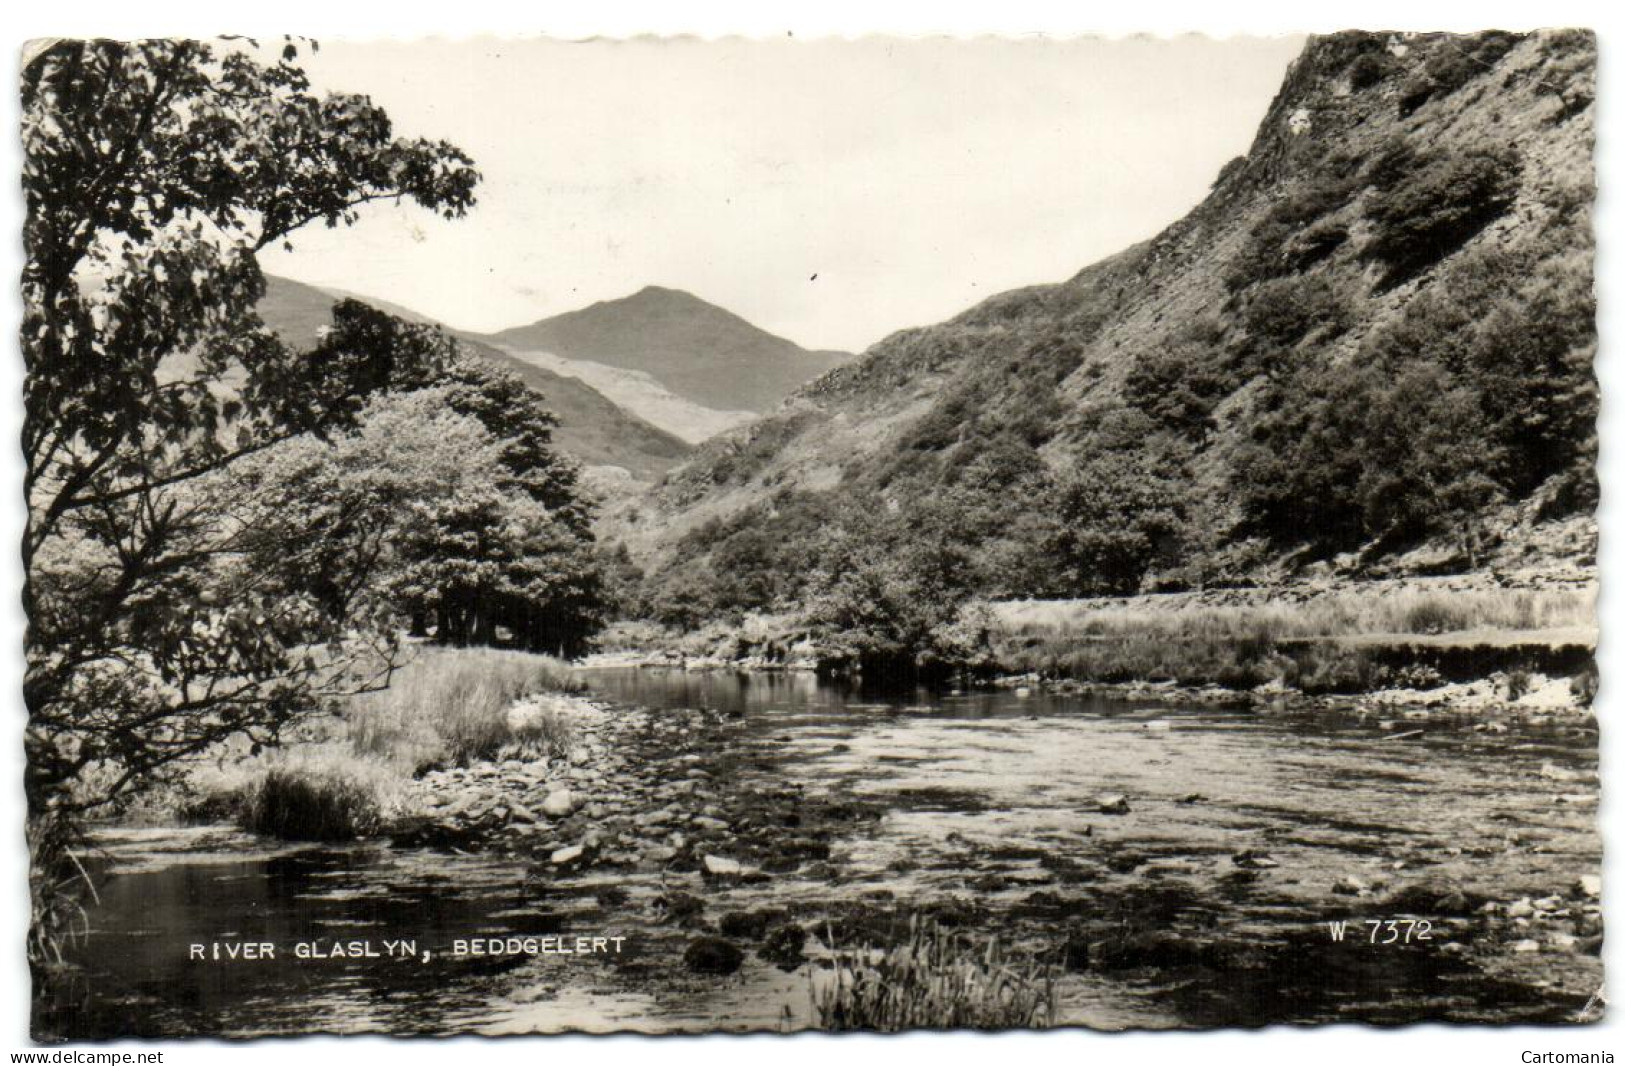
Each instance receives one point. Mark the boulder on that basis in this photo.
(713, 955)
(559, 803)
(718, 866)
(1112, 803)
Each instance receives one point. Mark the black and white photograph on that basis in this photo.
(673, 534)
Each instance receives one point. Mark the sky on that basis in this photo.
(830, 192)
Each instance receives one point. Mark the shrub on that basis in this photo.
(1121, 514)
(326, 800)
(1369, 68)
(1453, 62)
(543, 730)
(933, 980)
(1439, 205)
(1282, 311)
(57, 885)
(1321, 667)
(1178, 384)
(1274, 247)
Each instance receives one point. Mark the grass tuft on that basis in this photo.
(314, 798)
(933, 980)
(58, 884)
(458, 707)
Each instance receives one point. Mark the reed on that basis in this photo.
(933, 980)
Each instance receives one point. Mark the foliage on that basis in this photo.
(1451, 64)
(1280, 312)
(935, 979)
(493, 531)
(1370, 68)
(1433, 206)
(312, 800)
(1295, 233)
(1344, 452)
(1120, 516)
(1179, 384)
(152, 173)
(57, 881)
(899, 611)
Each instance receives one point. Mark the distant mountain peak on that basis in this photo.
(699, 351)
(591, 427)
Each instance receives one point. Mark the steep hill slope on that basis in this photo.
(1369, 346)
(697, 350)
(591, 427)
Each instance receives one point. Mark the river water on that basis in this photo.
(1244, 835)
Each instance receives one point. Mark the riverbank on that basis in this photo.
(1520, 641)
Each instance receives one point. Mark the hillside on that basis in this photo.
(695, 349)
(591, 426)
(1367, 351)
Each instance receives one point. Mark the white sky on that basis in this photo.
(912, 177)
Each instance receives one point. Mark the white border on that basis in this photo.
(1331, 1046)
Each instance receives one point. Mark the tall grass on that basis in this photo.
(1401, 609)
(1241, 663)
(459, 706)
(448, 707)
(317, 798)
(933, 980)
(57, 885)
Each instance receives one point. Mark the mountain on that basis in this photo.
(591, 426)
(1370, 346)
(644, 396)
(696, 350)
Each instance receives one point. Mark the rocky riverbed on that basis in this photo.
(1172, 864)
(751, 854)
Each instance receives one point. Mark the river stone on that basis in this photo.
(714, 824)
(660, 853)
(1589, 885)
(569, 854)
(559, 804)
(1112, 803)
(717, 866)
(1253, 859)
(713, 955)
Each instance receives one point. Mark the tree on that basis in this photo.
(1120, 515)
(519, 553)
(153, 171)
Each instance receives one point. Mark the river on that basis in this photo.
(1238, 838)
